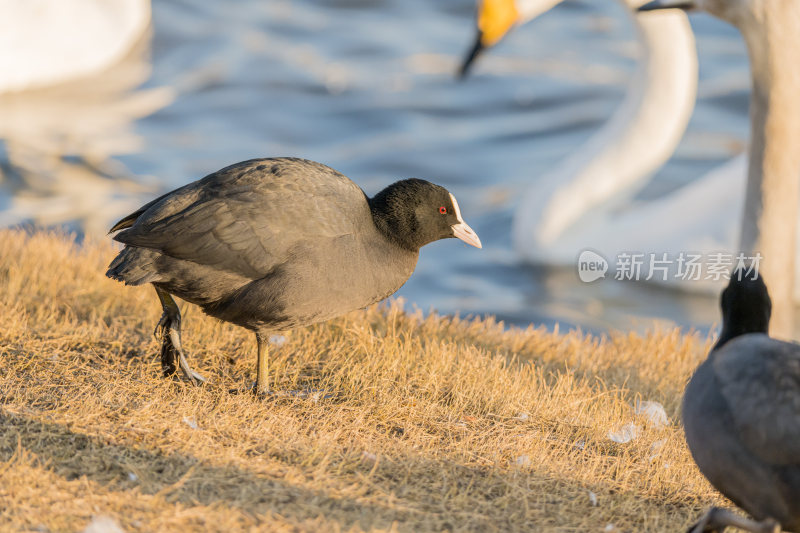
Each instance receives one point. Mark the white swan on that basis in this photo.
(59, 144)
(46, 42)
(772, 200)
(585, 202)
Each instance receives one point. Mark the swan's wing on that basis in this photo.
(249, 217)
(759, 377)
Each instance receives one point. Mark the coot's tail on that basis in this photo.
(134, 266)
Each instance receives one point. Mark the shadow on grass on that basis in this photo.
(178, 477)
(422, 504)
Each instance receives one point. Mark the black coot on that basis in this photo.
(272, 244)
(741, 415)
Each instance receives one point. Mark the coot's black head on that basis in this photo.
(414, 212)
(746, 306)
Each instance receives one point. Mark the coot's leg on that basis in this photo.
(262, 367)
(717, 519)
(168, 331)
(168, 366)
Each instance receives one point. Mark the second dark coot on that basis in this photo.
(741, 415)
(273, 244)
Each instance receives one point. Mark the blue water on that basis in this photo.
(368, 88)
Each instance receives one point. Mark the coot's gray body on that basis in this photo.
(741, 416)
(272, 244)
(224, 243)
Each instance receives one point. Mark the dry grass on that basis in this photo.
(428, 431)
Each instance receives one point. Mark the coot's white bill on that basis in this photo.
(462, 230)
(466, 234)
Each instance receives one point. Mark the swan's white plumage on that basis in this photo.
(568, 210)
(45, 42)
(586, 201)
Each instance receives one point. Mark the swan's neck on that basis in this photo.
(773, 184)
(639, 138)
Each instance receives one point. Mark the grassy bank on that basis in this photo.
(437, 424)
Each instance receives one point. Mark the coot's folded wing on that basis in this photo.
(759, 378)
(248, 217)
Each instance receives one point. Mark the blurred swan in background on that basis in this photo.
(59, 136)
(586, 201)
(772, 201)
(46, 42)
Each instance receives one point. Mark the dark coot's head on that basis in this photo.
(746, 306)
(415, 212)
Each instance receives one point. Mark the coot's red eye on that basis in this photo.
(443, 210)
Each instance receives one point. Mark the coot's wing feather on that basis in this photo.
(759, 378)
(129, 220)
(247, 218)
